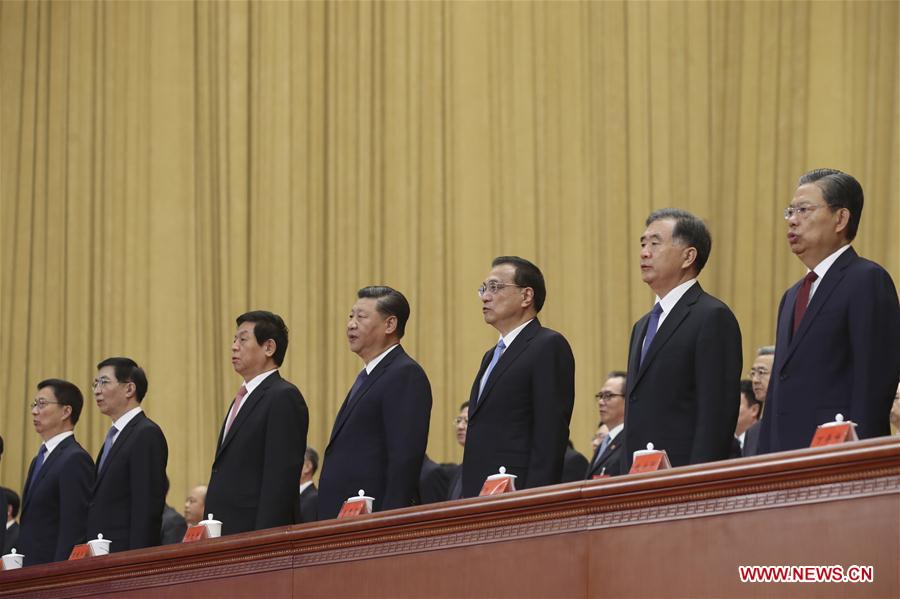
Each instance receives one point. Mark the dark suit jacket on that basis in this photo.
(253, 484)
(55, 504)
(434, 481)
(454, 488)
(521, 421)
(307, 507)
(685, 396)
(574, 465)
(3, 510)
(751, 440)
(378, 439)
(610, 462)
(845, 357)
(12, 538)
(173, 526)
(129, 493)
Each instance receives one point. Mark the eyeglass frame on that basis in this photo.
(606, 396)
(40, 404)
(805, 209)
(460, 420)
(103, 381)
(498, 286)
(756, 372)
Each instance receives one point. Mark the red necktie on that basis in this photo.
(803, 299)
(234, 408)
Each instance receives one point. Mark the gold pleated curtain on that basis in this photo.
(169, 165)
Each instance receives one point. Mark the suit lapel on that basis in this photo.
(509, 356)
(253, 400)
(347, 408)
(826, 286)
(120, 442)
(49, 463)
(673, 320)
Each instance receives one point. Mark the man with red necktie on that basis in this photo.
(837, 348)
(259, 453)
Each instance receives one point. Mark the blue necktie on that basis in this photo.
(498, 351)
(38, 463)
(603, 445)
(107, 445)
(651, 330)
(360, 379)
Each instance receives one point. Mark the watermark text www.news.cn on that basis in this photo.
(835, 573)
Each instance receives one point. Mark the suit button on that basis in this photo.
(782, 377)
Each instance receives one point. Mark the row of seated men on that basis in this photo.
(837, 349)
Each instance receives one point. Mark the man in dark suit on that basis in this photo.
(259, 453)
(522, 397)
(748, 418)
(60, 479)
(307, 507)
(684, 361)
(461, 426)
(173, 524)
(379, 435)
(837, 346)
(760, 372)
(129, 491)
(12, 527)
(607, 459)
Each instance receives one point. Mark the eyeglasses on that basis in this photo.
(102, 382)
(758, 372)
(460, 420)
(801, 211)
(40, 404)
(494, 287)
(606, 395)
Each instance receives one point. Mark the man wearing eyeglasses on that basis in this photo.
(684, 361)
(522, 397)
(837, 346)
(60, 479)
(129, 493)
(760, 372)
(607, 458)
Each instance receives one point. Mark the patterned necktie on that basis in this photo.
(651, 330)
(38, 463)
(803, 299)
(360, 379)
(235, 406)
(107, 445)
(498, 351)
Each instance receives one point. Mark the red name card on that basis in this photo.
(650, 461)
(197, 532)
(353, 508)
(80, 551)
(599, 476)
(496, 486)
(833, 434)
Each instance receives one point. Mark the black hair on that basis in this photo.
(614, 374)
(313, 456)
(463, 405)
(527, 275)
(840, 190)
(267, 325)
(689, 230)
(12, 498)
(390, 303)
(67, 394)
(127, 371)
(750, 397)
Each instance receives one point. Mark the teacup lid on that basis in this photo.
(360, 496)
(501, 473)
(209, 520)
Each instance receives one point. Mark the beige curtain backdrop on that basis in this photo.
(168, 165)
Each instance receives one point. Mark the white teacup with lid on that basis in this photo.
(213, 527)
(99, 546)
(13, 560)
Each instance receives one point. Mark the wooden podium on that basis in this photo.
(675, 533)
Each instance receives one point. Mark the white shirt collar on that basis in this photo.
(511, 336)
(823, 266)
(10, 522)
(668, 302)
(615, 431)
(371, 365)
(125, 418)
(55, 440)
(304, 486)
(255, 381)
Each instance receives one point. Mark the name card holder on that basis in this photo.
(198, 532)
(356, 506)
(834, 433)
(649, 460)
(80, 551)
(497, 484)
